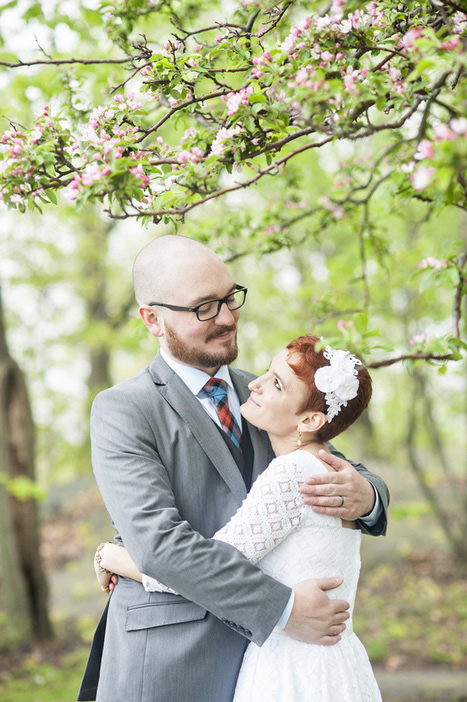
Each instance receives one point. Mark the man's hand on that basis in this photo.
(324, 491)
(315, 618)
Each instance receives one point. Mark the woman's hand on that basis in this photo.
(110, 561)
(106, 579)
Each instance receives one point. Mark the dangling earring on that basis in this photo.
(299, 440)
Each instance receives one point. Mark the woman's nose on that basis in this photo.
(255, 385)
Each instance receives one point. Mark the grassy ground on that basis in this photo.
(411, 610)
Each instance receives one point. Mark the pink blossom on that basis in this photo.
(357, 18)
(409, 39)
(196, 154)
(341, 324)
(91, 174)
(451, 44)
(394, 73)
(287, 45)
(417, 339)
(183, 157)
(460, 22)
(146, 70)
(234, 100)
(432, 262)
(459, 126)
(326, 56)
(296, 31)
(350, 80)
(422, 177)
(336, 209)
(443, 133)
(256, 72)
(218, 146)
(425, 150)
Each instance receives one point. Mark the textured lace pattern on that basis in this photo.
(283, 669)
(273, 508)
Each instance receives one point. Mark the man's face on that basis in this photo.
(204, 345)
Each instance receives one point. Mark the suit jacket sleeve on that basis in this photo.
(378, 529)
(137, 492)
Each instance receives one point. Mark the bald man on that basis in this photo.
(171, 477)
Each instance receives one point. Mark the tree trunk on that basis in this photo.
(452, 519)
(24, 587)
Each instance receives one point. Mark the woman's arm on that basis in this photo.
(272, 509)
(112, 559)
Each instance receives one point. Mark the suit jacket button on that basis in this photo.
(248, 633)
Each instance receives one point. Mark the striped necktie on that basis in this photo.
(216, 389)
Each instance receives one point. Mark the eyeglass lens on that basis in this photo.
(211, 309)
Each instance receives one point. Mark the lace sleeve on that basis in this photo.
(153, 585)
(272, 509)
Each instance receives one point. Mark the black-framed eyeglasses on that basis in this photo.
(209, 310)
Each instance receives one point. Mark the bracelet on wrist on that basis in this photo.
(98, 558)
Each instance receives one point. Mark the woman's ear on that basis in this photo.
(311, 422)
(152, 320)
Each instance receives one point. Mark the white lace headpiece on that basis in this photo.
(339, 380)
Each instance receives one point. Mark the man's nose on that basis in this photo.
(225, 316)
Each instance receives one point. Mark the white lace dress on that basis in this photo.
(291, 543)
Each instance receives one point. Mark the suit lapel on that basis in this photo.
(190, 411)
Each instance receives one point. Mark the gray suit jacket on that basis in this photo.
(169, 483)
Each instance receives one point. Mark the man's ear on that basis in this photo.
(152, 320)
(311, 422)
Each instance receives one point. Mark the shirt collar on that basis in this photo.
(194, 378)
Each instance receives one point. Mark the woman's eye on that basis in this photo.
(277, 384)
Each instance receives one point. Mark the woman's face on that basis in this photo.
(275, 398)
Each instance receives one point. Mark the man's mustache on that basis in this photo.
(221, 330)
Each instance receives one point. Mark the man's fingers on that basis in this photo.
(323, 481)
(329, 640)
(331, 460)
(329, 583)
(336, 629)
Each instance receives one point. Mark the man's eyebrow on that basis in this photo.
(209, 298)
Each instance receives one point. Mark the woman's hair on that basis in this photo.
(309, 360)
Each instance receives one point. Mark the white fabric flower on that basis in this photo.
(338, 380)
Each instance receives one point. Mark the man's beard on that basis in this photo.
(198, 358)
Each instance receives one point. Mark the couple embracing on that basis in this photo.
(237, 545)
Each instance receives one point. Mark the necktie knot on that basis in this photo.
(216, 389)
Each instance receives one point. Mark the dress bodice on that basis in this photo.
(287, 539)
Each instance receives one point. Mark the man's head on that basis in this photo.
(179, 271)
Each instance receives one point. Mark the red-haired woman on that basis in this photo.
(306, 398)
